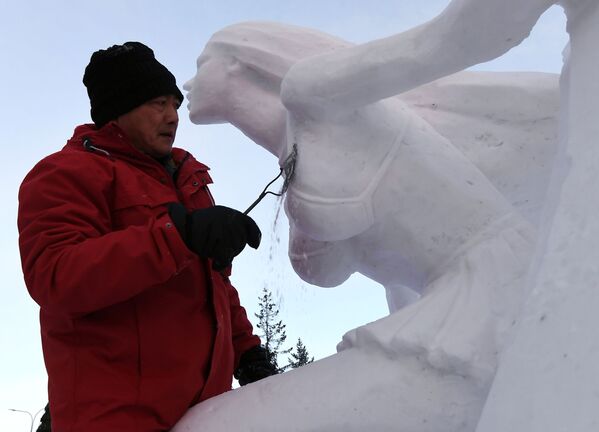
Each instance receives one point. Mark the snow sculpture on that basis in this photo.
(548, 379)
(239, 80)
(385, 186)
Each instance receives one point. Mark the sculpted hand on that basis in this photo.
(218, 232)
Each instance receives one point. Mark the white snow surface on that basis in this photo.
(431, 182)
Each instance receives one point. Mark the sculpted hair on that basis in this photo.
(268, 48)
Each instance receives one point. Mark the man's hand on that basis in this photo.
(216, 232)
(254, 365)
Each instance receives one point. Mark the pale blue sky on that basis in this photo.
(44, 47)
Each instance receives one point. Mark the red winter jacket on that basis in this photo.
(135, 327)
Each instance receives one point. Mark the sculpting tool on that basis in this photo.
(288, 170)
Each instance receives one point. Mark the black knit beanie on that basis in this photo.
(123, 77)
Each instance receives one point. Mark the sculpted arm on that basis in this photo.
(466, 33)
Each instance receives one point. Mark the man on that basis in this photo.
(128, 257)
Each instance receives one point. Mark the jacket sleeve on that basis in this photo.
(241, 328)
(73, 263)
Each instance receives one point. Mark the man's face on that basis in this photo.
(152, 127)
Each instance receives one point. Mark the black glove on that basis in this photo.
(216, 232)
(254, 365)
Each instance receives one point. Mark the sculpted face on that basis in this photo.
(205, 93)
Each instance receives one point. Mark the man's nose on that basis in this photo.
(172, 115)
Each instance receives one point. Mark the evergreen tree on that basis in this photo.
(300, 357)
(273, 330)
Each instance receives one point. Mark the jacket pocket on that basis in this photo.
(137, 209)
(195, 192)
